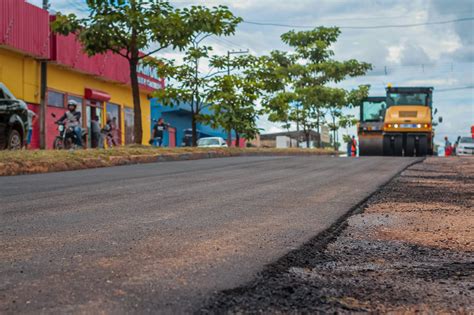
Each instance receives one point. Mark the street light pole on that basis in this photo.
(43, 86)
(233, 52)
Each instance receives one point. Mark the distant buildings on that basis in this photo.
(290, 139)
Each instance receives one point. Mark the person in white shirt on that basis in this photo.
(31, 121)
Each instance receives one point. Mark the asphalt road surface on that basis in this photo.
(163, 237)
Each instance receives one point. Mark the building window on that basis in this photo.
(56, 99)
(129, 123)
(113, 116)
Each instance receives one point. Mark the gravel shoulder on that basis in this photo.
(409, 248)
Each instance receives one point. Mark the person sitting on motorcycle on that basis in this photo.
(73, 119)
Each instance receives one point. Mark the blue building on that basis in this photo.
(179, 117)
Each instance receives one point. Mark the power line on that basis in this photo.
(365, 27)
(222, 40)
(469, 87)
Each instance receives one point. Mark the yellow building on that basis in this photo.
(100, 83)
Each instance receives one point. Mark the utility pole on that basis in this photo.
(43, 86)
(233, 52)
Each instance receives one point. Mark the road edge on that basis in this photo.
(315, 245)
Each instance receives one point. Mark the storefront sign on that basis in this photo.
(148, 77)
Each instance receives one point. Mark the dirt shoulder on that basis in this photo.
(409, 248)
(33, 162)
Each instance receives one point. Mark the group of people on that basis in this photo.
(107, 133)
(72, 118)
(450, 149)
(99, 135)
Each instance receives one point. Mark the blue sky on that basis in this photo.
(440, 55)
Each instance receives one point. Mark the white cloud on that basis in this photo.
(395, 54)
(433, 82)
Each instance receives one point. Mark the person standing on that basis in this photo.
(31, 121)
(158, 132)
(455, 146)
(95, 132)
(447, 147)
(107, 133)
(349, 147)
(354, 146)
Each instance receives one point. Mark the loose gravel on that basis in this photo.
(409, 248)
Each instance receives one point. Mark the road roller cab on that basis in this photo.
(408, 123)
(371, 124)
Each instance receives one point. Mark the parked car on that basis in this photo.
(188, 137)
(13, 120)
(212, 142)
(465, 146)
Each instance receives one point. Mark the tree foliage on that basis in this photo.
(128, 27)
(188, 84)
(302, 77)
(233, 97)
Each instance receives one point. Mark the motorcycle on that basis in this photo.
(67, 138)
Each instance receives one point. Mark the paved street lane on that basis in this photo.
(165, 236)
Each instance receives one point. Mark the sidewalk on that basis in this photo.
(410, 250)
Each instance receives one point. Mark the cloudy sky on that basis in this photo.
(438, 53)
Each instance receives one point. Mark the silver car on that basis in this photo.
(212, 142)
(465, 146)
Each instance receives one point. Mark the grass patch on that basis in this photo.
(42, 161)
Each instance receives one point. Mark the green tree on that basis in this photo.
(338, 101)
(302, 77)
(189, 84)
(233, 97)
(129, 27)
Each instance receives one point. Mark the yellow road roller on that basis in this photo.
(408, 122)
(371, 125)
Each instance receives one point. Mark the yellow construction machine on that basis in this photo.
(401, 124)
(371, 124)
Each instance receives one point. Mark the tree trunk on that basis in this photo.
(229, 137)
(318, 128)
(194, 128)
(195, 101)
(237, 139)
(307, 139)
(137, 119)
(334, 132)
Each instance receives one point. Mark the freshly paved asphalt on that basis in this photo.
(163, 237)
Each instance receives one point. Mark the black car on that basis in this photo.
(188, 137)
(13, 120)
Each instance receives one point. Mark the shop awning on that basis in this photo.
(97, 95)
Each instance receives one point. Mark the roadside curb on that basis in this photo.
(39, 167)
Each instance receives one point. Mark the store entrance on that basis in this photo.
(94, 122)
